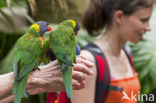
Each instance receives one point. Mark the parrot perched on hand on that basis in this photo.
(63, 45)
(29, 50)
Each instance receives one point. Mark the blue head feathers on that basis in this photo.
(77, 28)
(44, 27)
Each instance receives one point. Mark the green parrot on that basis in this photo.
(29, 52)
(63, 43)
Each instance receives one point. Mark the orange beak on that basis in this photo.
(41, 38)
(49, 28)
(76, 34)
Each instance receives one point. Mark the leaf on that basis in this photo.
(8, 19)
(3, 3)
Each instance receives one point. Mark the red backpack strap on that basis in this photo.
(103, 74)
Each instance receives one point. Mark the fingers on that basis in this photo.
(82, 68)
(84, 61)
(79, 76)
(8, 99)
(51, 64)
(82, 85)
(77, 86)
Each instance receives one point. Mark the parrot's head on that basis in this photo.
(41, 27)
(44, 27)
(76, 29)
(75, 26)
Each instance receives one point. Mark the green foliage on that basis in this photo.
(6, 40)
(13, 8)
(3, 3)
(84, 38)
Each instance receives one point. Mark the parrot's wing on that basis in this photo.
(16, 67)
(62, 42)
(27, 67)
(28, 50)
(26, 57)
(21, 74)
(63, 58)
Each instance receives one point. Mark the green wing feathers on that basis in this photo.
(28, 51)
(62, 42)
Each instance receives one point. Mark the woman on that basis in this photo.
(124, 20)
(47, 79)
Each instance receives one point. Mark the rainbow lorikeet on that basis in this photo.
(29, 50)
(63, 45)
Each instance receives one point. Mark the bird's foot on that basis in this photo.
(34, 69)
(38, 68)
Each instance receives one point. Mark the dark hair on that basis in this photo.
(99, 13)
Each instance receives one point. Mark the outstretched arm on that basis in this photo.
(47, 79)
(6, 84)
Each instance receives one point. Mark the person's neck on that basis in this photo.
(111, 43)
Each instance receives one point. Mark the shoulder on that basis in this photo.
(88, 55)
(90, 85)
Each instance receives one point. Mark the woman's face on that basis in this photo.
(135, 25)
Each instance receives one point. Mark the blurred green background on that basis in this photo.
(17, 15)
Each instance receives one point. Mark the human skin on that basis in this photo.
(138, 24)
(47, 79)
(123, 28)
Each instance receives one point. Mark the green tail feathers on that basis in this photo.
(19, 87)
(67, 77)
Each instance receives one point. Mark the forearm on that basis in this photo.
(6, 84)
(7, 99)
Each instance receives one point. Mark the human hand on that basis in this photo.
(49, 77)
